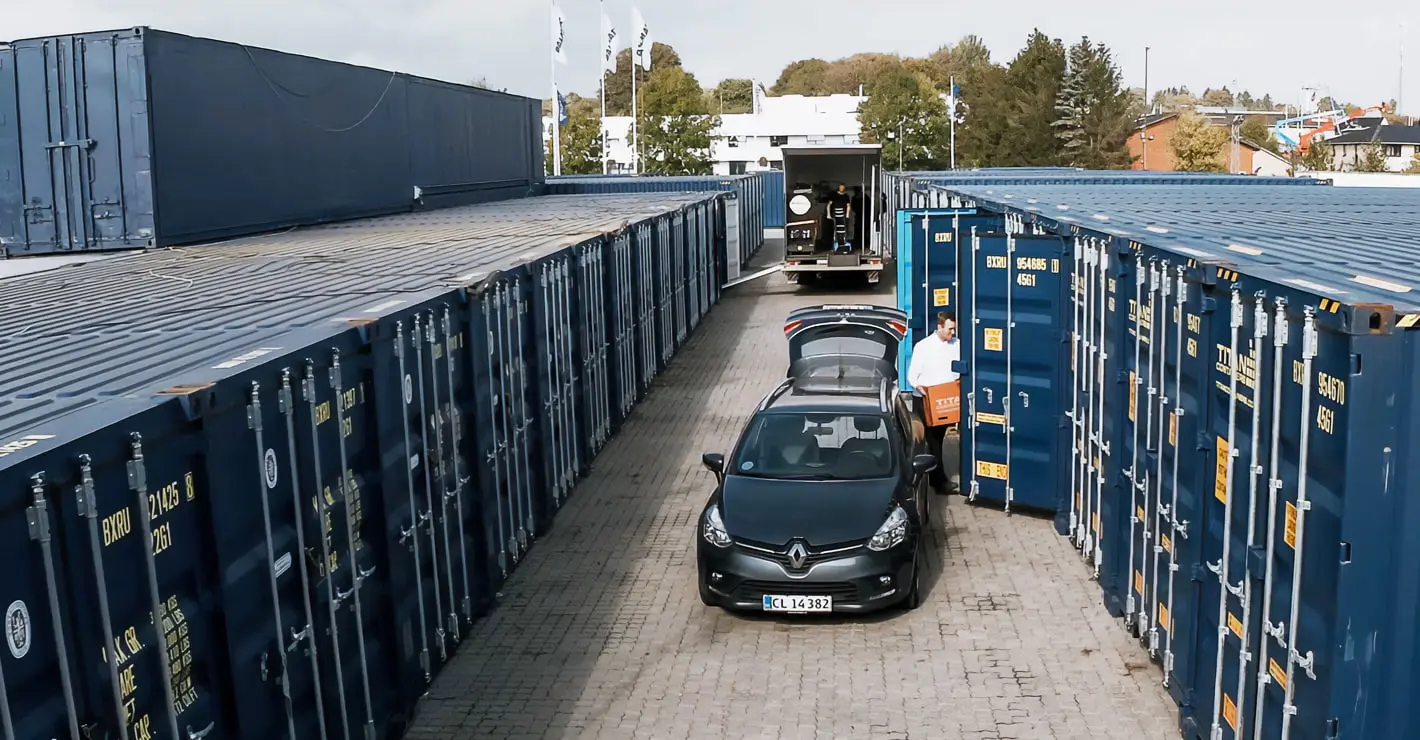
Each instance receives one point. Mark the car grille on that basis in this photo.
(756, 590)
(816, 555)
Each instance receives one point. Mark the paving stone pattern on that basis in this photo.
(600, 632)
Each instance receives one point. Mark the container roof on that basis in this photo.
(1354, 245)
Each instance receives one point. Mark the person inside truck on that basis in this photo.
(931, 365)
(840, 209)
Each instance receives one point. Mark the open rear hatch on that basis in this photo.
(845, 339)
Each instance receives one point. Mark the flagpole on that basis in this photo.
(603, 47)
(556, 109)
(635, 121)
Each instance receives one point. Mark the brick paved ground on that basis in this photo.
(601, 633)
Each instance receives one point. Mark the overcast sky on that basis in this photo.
(1350, 51)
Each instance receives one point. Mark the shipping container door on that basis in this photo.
(341, 475)
(417, 568)
(500, 421)
(76, 116)
(1298, 514)
(594, 314)
(1101, 503)
(559, 429)
(42, 680)
(927, 273)
(621, 288)
(136, 527)
(1017, 357)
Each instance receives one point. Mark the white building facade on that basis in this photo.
(750, 142)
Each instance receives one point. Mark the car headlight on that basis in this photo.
(893, 531)
(713, 528)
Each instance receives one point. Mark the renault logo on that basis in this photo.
(797, 555)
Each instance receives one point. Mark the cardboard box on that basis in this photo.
(942, 404)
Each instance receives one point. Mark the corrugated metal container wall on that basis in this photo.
(1251, 528)
(749, 189)
(404, 461)
(172, 139)
(774, 198)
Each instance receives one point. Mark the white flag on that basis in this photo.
(641, 41)
(609, 46)
(559, 34)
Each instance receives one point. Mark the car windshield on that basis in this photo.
(816, 446)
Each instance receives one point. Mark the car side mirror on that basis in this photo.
(714, 462)
(923, 464)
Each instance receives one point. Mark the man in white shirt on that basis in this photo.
(931, 365)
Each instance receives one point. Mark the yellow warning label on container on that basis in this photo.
(1230, 712)
(1139, 582)
(1097, 524)
(996, 471)
(1220, 479)
(1139, 513)
(1278, 675)
(1166, 543)
(996, 419)
(1161, 616)
(1235, 625)
(1289, 531)
(944, 237)
(1173, 430)
(1133, 394)
(941, 296)
(992, 340)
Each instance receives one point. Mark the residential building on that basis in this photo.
(1152, 149)
(750, 142)
(1400, 144)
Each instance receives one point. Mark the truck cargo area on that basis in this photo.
(833, 204)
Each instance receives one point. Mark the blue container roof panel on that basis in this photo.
(1294, 235)
(140, 323)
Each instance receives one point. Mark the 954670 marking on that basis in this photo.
(798, 604)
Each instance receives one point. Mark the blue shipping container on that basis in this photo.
(774, 198)
(286, 514)
(1253, 531)
(749, 190)
(169, 139)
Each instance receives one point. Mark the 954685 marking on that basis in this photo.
(798, 604)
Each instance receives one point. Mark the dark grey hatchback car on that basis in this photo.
(823, 503)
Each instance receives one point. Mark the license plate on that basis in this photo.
(798, 604)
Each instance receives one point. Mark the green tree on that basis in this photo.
(905, 114)
(1372, 159)
(731, 96)
(675, 126)
(1171, 99)
(1197, 146)
(804, 77)
(1221, 98)
(1317, 158)
(1033, 78)
(581, 141)
(618, 84)
(1096, 114)
(1254, 129)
